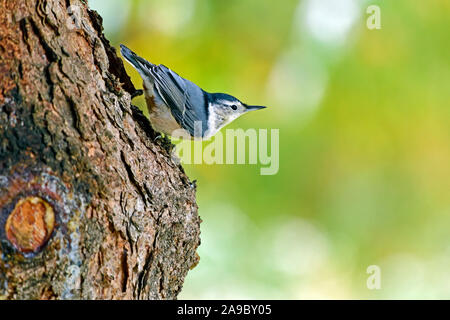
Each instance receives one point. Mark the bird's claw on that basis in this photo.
(165, 141)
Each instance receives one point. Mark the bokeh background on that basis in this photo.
(364, 120)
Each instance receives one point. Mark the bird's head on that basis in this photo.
(224, 108)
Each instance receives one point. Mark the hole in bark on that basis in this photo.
(30, 224)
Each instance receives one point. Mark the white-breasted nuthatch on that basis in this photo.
(177, 105)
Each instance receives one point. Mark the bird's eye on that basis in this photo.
(234, 107)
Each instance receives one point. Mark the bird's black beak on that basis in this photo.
(251, 108)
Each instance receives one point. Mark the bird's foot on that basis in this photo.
(165, 142)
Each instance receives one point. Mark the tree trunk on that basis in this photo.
(91, 206)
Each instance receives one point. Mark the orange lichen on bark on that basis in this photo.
(30, 224)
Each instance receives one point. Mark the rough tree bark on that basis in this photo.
(91, 207)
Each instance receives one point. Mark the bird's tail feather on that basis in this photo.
(137, 62)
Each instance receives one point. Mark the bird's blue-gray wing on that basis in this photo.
(185, 99)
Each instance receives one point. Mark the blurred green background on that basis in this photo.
(364, 120)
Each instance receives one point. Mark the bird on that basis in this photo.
(178, 107)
